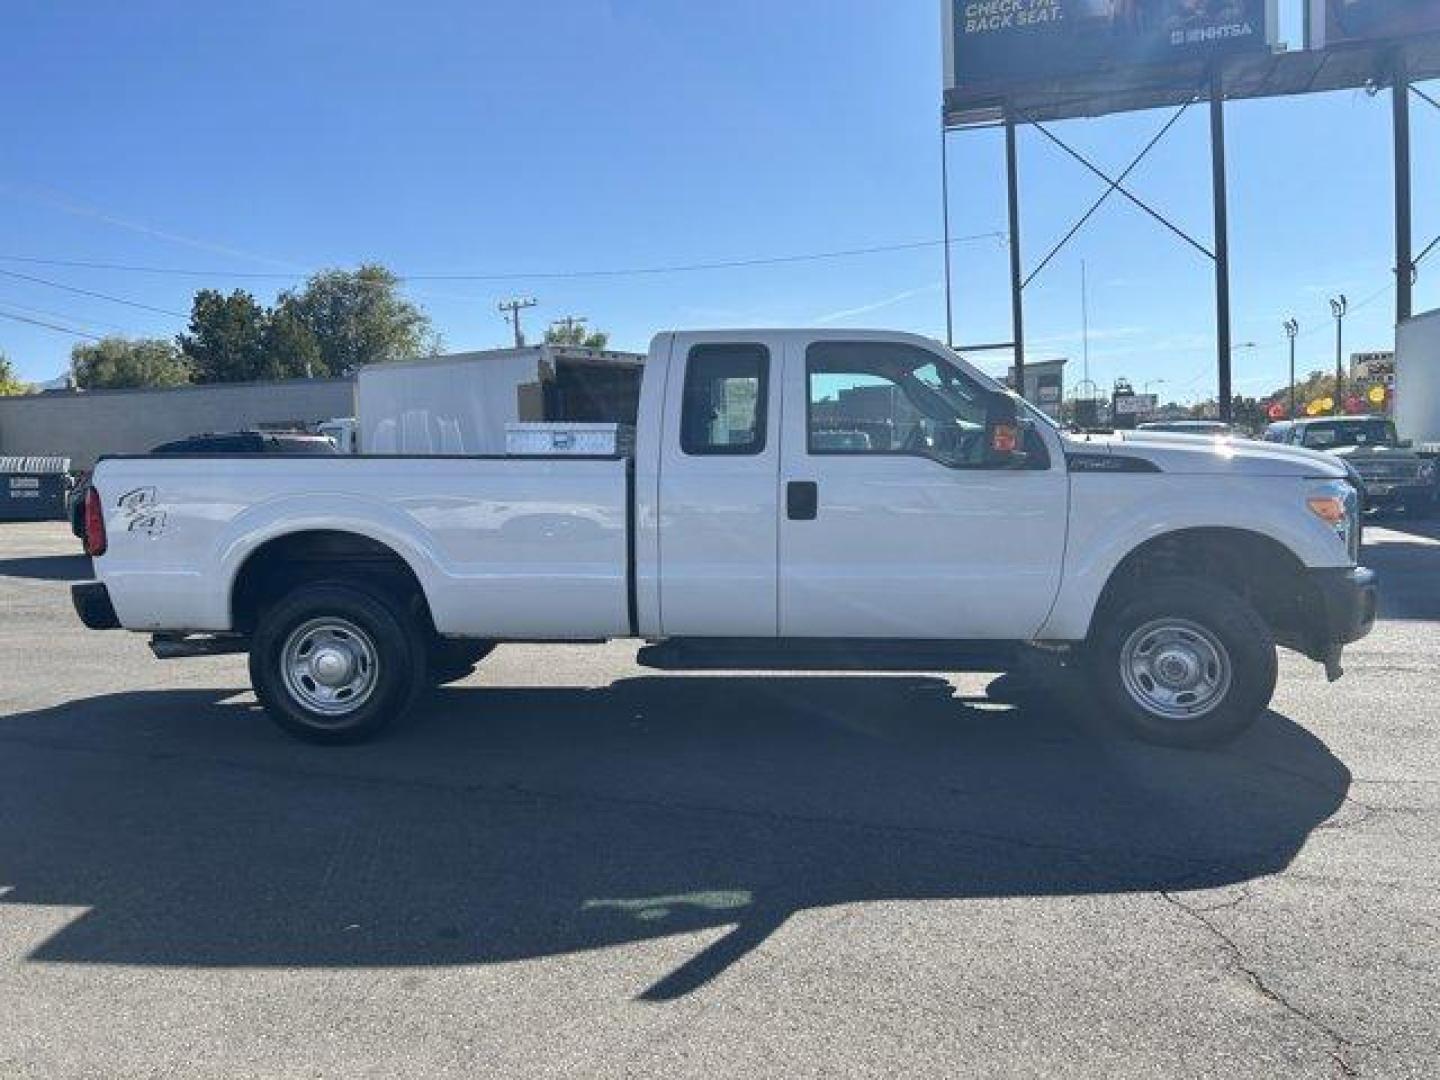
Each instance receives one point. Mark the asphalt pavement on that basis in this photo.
(570, 865)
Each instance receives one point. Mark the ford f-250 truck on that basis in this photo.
(788, 486)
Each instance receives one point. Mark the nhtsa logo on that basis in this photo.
(1200, 35)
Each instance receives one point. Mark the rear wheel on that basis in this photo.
(1184, 663)
(334, 662)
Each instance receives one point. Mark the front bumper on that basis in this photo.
(1347, 603)
(92, 604)
(1382, 494)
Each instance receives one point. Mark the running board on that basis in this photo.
(178, 646)
(825, 654)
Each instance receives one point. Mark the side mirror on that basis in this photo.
(1004, 433)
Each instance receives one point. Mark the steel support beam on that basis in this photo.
(1111, 187)
(1017, 284)
(1404, 264)
(945, 223)
(1222, 244)
(1123, 190)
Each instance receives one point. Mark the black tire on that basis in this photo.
(451, 660)
(1202, 636)
(369, 630)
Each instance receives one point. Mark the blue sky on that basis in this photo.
(499, 137)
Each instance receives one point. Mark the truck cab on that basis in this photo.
(783, 487)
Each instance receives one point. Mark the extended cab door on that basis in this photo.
(718, 513)
(892, 524)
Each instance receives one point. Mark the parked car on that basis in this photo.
(1166, 569)
(1188, 427)
(1393, 475)
(232, 442)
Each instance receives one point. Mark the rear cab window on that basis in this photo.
(724, 408)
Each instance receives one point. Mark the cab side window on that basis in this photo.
(726, 387)
(869, 398)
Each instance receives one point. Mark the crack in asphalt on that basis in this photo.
(1339, 1052)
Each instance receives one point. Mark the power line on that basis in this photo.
(538, 275)
(89, 292)
(47, 314)
(47, 325)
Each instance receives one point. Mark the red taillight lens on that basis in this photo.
(95, 542)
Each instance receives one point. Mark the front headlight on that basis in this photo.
(1338, 505)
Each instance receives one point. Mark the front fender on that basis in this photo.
(1112, 515)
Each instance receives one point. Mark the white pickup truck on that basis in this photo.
(787, 488)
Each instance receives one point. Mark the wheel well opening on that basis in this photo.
(282, 564)
(1260, 570)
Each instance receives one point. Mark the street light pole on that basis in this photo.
(1338, 307)
(1292, 327)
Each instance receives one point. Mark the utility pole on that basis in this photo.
(1338, 307)
(511, 310)
(1292, 328)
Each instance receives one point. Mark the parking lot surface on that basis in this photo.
(572, 865)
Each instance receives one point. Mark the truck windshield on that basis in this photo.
(1326, 435)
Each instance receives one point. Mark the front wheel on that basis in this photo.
(1184, 663)
(333, 662)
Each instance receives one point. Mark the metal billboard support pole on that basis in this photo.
(1017, 283)
(1222, 242)
(1404, 264)
(945, 223)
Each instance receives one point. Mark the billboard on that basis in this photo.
(995, 45)
(1335, 22)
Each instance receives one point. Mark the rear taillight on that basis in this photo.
(94, 524)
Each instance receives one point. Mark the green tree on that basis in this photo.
(10, 382)
(574, 333)
(355, 317)
(227, 340)
(291, 347)
(117, 363)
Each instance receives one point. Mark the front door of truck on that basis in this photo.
(891, 523)
(718, 519)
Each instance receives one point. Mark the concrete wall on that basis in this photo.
(82, 425)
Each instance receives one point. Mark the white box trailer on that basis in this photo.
(462, 403)
(1417, 381)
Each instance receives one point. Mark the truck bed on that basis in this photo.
(502, 546)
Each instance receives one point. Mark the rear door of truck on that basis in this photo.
(719, 484)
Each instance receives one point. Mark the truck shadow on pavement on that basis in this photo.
(512, 824)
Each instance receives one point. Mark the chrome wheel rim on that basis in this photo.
(330, 666)
(1175, 669)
